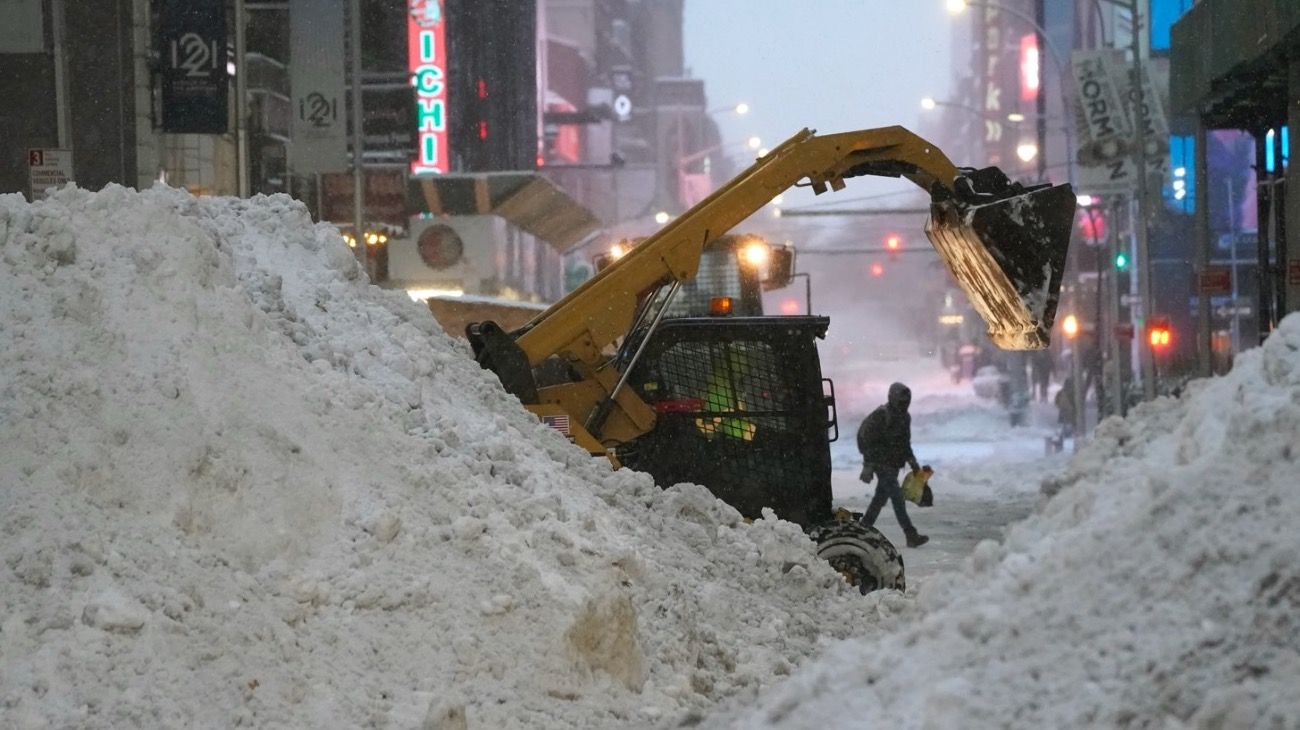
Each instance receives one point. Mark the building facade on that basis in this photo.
(1235, 81)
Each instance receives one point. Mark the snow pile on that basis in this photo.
(241, 487)
(1160, 587)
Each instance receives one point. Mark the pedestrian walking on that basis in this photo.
(885, 441)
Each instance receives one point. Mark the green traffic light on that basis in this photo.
(1121, 261)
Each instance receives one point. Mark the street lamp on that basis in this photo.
(930, 103)
(1027, 151)
(754, 143)
(662, 217)
(740, 109)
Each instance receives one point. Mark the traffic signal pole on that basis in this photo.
(1142, 257)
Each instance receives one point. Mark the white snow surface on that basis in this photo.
(1159, 587)
(241, 487)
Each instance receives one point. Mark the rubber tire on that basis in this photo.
(863, 554)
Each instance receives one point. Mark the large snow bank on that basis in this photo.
(241, 487)
(1160, 587)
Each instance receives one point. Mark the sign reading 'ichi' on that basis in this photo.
(427, 61)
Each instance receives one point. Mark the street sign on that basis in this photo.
(622, 107)
(1214, 280)
(48, 168)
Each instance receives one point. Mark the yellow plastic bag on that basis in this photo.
(916, 487)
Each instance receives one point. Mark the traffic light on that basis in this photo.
(1121, 261)
(893, 244)
(1159, 333)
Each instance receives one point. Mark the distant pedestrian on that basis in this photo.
(1041, 365)
(966, 355)
(1065, 408)
(885, 440)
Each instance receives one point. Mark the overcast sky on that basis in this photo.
(833, 65)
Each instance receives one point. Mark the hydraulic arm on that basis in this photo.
(1004, 243)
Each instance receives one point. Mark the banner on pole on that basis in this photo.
(195, 81)
(1106, 119)
(1105, 130)
(319, 136)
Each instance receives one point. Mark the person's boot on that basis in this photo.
(916, 539)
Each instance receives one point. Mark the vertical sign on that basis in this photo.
(195, 83)
(1030, 67)
(319, 131)
(426, 52)
(1155, 97)
(1105, 131)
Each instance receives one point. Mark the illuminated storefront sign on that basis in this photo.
(427, 61)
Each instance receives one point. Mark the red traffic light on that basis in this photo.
(1159, 333)
(893, 242)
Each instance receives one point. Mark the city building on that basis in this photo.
(1235, 80)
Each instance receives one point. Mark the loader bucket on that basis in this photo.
(1007, 250)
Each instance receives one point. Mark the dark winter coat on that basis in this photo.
(885, 437)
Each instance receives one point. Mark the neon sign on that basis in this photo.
(426, 54)
(1030, 72)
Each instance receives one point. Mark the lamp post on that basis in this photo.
(739, 108)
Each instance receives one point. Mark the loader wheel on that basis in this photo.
(863, 555)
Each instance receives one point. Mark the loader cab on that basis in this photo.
(739, 267)
(742, 409)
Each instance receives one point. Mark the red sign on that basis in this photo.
(1214, 280)
(1030, 67)
(1293, 272)
(426, 56)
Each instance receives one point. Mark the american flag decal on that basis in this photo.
(559, 423)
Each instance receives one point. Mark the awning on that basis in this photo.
(526, 199)
(1229, 61)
